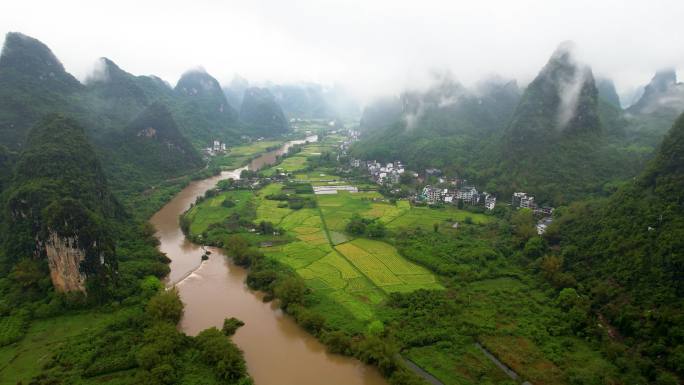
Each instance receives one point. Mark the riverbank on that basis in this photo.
(216, 290)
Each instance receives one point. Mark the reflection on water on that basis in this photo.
(277, 350)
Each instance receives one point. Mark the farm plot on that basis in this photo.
(338, 208)
(240, 155)
(268, 210)
(426, 217)
(384, 267)
(292, 163)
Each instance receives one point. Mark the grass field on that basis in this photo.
(292, 163)
(425, 217)
(212, 211)
(463, 365)
(339, 208)
(238, 156)
(21, 361)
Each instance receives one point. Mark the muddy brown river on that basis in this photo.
(277, 350)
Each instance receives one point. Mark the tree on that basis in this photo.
(165, 306)
(376, 229)
(290, 290)
(356, 225)
(231, 325)
(219, 352)
(534, 248)
(523, 225)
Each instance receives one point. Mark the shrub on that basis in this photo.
(231, 325)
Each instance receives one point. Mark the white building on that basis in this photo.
(523, 201)
(468, 195)
(490, 201)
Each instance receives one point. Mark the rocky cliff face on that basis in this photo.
(64, 259)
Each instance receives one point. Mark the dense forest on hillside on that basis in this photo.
(626, 254)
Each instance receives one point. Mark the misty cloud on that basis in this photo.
(371, 48)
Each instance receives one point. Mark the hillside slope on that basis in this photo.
(627, 252)
(59, 206)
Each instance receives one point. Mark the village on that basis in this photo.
(455, 191)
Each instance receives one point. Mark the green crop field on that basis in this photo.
(268, 210)
(425, 217)
(212, 211)
(339, 208)
(292, 163)
(383, 266)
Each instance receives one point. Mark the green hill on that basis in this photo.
(114, 97)
(627, 254)
(32, 83)
(564, 142)
(446, 126)
(59, 206)
(204, 113)
(260, 113)
(154, 142)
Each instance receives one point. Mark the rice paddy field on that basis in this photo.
(354, 275)
(339, 208)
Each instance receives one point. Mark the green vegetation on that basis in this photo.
(240, 155)
(217, 209)
(59, 191)
(624, 255)
(126, 345)
(261, 114)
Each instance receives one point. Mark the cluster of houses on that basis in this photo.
(521, 200)
(466, 194)
(216, 148)
(381, 173)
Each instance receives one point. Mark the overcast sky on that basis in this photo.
(371, 46)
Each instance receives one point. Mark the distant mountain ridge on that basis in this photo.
(261, 113)
(559, 138)
(662, 95)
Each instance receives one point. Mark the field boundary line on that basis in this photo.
(327, 233)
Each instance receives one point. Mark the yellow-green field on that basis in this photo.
(382, 265)
(355, 274)
(339, 208)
